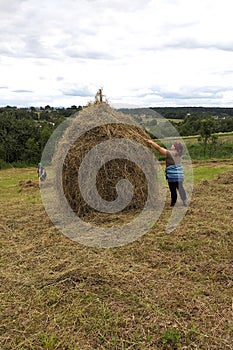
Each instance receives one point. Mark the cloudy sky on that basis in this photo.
(142, 52)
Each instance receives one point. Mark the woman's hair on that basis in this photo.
(179, 147)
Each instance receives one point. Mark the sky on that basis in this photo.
(142, 53)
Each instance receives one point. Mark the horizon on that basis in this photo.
(123, 107)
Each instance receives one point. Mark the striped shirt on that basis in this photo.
(174, 169)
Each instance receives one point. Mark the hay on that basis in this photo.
(225, 178)
(28, 183)
(89, 128)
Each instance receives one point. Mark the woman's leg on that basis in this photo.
(182, 192)
(173, 186)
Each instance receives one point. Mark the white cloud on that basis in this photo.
(142, 53)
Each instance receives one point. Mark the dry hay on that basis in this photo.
(180, 283)
(98, 124)
(225, 178)
(28, 184)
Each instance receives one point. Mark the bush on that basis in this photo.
(19, 164)
(4, 165)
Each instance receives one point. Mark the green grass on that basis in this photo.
(207, 173)
(10, 178)
(172, 337)
(222, 137)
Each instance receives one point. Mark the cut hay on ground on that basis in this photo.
(28, 183)
(164, 292)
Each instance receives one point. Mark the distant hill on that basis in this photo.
(178, 112)
(182, 112)
(140, 112)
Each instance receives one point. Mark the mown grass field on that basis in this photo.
(222, 138)
(163, 291)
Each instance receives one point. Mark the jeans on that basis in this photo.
(174, 186)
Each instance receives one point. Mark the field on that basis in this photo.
(222, 137)
(222, 149)
(163, 291)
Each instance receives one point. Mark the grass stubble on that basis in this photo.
(163, 291)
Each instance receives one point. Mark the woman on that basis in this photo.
(41, 172)
(174, 170)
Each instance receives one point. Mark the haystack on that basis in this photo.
(90, 128)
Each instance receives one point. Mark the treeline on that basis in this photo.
(193, 125)
(203, 112)
(191, 120)
(25, 131)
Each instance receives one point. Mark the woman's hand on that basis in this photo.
(157, 147)
(150, 142)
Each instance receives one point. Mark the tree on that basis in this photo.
(32, 151)
(15, 130)
(213, 144)
(206, 130)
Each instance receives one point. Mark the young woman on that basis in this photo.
(174, 169)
